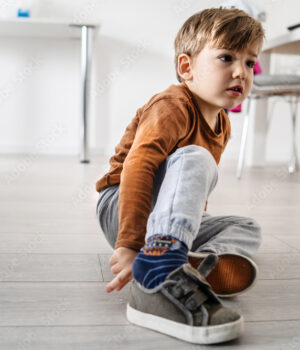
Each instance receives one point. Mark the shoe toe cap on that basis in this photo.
(224, 315)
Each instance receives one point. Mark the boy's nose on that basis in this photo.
(239, 71)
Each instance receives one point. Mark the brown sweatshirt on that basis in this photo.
(169, 120)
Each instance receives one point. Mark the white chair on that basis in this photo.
(265, 86)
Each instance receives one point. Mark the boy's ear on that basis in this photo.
(184, 66)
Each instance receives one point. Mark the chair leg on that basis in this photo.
(293, 166)
(243, 142)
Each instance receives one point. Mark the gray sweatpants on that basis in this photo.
(181, 187)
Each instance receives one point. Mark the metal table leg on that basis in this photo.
(293, 166)
(243, 141)
(86, 55)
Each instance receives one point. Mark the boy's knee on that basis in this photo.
(197, 154)
(254, 227)
(198, 151)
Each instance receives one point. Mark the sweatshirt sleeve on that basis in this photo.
(162, 125)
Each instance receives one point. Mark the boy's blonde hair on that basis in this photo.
(231, 29)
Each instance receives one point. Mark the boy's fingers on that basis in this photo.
(124, 284)
(115, 269)
(112, 260)
(112, 285)
(116, 282)
(129, 278)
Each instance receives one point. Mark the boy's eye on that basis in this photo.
(251, 64)
(226, 58)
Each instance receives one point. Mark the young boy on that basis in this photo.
(152, 205)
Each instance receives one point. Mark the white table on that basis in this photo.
(289, 44)
(44, 28)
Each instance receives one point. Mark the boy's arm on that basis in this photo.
(160, 128)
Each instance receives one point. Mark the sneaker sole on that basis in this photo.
(233, 275)
(193, 334)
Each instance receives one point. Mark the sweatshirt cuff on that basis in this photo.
(129, 244)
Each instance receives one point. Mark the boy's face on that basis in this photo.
(214, 72)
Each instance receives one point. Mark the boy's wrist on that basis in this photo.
(129, 244)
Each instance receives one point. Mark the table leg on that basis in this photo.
(86, 54)
(257, 132)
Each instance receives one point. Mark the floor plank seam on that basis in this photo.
(288, 244)
(99, 260)
(127, 324)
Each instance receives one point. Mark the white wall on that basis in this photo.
(133, 59)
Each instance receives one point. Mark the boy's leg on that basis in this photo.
(188, 177)
(234, 239)
(228, 234)
(218, 234)
(107, 212)
(188, 167)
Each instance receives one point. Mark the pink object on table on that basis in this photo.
(236, 109)
(256, 70)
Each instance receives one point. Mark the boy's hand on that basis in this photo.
(121, 264)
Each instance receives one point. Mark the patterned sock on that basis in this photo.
(159, 256)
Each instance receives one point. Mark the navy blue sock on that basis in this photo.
(159, 256)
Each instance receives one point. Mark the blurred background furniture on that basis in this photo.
(266, 86)
(43, 28)
(287, 44)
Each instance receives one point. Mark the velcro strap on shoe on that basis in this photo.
(207, 265)
(195, 300)
(188, 287)
(188, 290)
(200, 281)
(195, 275)
(183, 287)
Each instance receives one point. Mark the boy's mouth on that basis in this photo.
(237, 88)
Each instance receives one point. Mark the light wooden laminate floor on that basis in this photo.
(54, 259)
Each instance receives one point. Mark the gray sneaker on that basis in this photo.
(185, 307)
